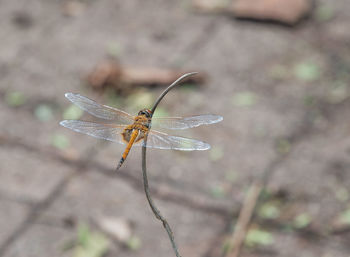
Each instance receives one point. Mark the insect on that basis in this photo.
(129, 130)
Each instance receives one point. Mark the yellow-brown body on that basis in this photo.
(135, 132)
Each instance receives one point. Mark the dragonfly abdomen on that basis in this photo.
(132, 137)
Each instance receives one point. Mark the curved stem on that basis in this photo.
(175, 83)
(153, 207)
(144, 169)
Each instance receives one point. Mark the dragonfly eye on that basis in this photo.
(148, 114)
(145, 112)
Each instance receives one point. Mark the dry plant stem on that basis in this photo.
(238, 236)
(152, 205)
(175, 83)
(144, 169)
(244, 218)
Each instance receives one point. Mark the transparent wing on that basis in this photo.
(98, 110)
(103, 131)
(155, 139)
(161, 140)
(185, 122)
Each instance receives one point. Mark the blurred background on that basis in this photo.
(277, 71)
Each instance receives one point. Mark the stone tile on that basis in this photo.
(288, 243)
(29, 176)
(41, 240)
(83, 41)
(317, 167)
(93, 195)
(12, 215)
(21, 124)
(51, 56)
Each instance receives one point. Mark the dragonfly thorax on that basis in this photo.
(142, 119)
(140, 125)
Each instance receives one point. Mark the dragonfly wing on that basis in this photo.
(103, 131)
(161, 140)
(99, 110)
(185, 122)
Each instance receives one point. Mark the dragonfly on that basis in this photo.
(123, 128)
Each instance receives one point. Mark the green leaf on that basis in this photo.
(265, 194)
(307, 71)
(133, 243)
(15, 98)
(218, 191)
(73, 112)
(345, 217)
(324, 13)
(90, 243)
(269, 211)
(283, 146)
(231, 176)
(83, 234)
(302, 220)
(43, 112)
(244, 99)
(226, 247)
(257, 237)
(60, 141)
(216, 153)
(114, 49)
(140, 100)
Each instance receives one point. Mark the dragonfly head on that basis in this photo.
(145, 112)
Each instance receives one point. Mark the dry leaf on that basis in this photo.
(110, 73)
(287, 11)
(73, 8)
(118, 228)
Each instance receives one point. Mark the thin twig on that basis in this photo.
(175, 83)
(144, 169)
(246, 214)
(244, 218)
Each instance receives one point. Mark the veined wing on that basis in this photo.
(99, 110)
(161, 140)
(103, 131)
(155, 139)
(185, 122)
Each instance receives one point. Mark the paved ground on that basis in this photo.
(280, 90)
